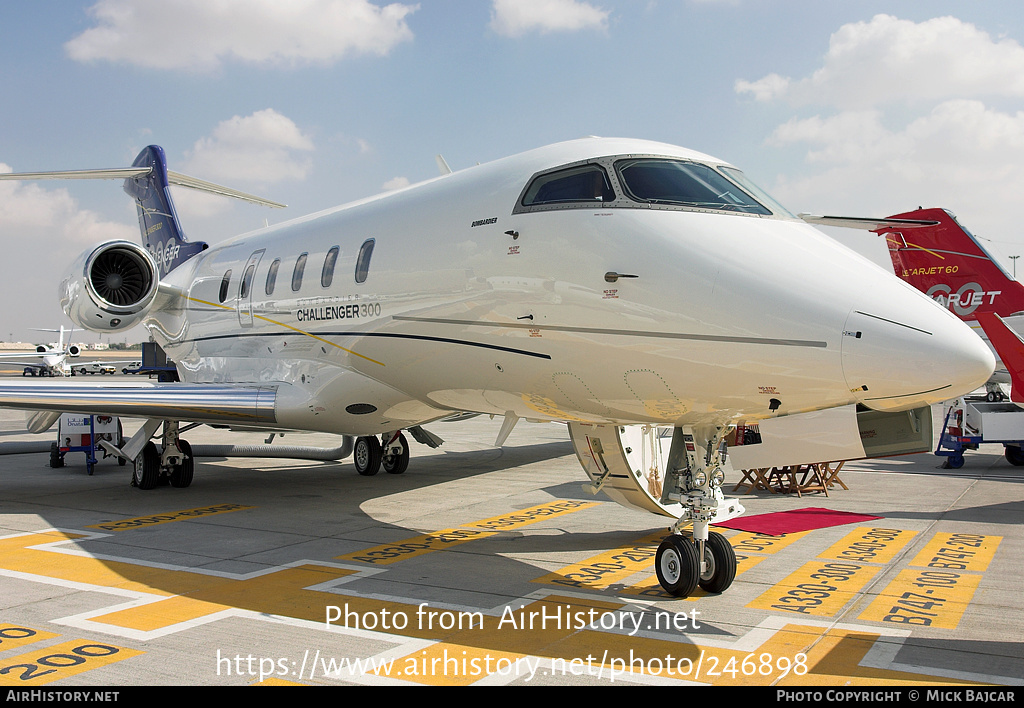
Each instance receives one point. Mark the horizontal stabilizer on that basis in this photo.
(175, 178)
(852, 222)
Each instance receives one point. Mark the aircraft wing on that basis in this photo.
(26, 357)
(251, 404)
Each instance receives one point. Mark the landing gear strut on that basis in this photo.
(637, 467)
(695, 478)
(172, 462)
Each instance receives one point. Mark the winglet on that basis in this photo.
(1010, 348)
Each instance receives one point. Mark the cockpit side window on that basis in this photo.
(682, 183)
(586, 184)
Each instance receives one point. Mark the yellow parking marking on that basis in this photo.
(820, 588)
(835, 657)
(569, 634)
(748, 542)
(924, 598)
(14, 636)
(958, 551)
(59, 662)
(387, 553)
(607, 569)
(531, 515)
(869, 545)
(416, 546)
(652, 588)
(166, 518)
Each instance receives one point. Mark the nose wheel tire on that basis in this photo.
(367, 455)
(677, 566)
(719, 564)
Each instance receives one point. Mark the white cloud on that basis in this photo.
(201, 34)
(514, 18)
(888, 59)
(43, 230)
(962, 156)
(396, 183)
(50, 220)
(263, 148)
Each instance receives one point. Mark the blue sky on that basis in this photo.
(855, 108)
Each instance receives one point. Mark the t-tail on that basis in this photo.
(148, 181)
(161, 231)
(946, 262)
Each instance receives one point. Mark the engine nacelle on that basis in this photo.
(110, 287)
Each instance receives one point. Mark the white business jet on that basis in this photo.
(48, 359)
(607, 283)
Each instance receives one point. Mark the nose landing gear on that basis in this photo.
(622, 462)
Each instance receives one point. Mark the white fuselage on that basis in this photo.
(468, 306)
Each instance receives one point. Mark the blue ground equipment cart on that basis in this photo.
(81, 433)
(971, 421)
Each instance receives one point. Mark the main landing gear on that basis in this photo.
(628, 464)
(172, 463)
(391, 452)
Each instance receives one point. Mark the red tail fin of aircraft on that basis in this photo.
(946, 262)
(1010, 348)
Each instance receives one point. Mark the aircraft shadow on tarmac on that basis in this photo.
(325, 504)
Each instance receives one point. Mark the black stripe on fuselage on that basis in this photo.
(391, 335)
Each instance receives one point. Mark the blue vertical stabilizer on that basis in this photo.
(161, 231)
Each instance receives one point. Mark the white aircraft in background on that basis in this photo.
(49, 359)
(607, 283)
(60, 359)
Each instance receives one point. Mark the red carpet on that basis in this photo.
(783, 522)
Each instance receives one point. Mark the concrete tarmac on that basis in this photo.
(492, 566)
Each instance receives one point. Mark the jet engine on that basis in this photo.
(110, 287)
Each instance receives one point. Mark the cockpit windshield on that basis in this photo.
(682, 183)
(647, 182)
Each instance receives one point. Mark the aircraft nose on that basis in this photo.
(901, 350)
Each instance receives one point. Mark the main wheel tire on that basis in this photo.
(147, 467)
(55, 458)
(367, 455)
(719, 564)
(397, 464)
(1014, 454)
(677, 566)
(120, 443)
(181, 475)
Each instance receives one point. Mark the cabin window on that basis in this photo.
(247, 281)
(300, 266)
(682, 183)
(224, 283)
(363, 260)
(327, 276)
(272, 276)
(586, 184)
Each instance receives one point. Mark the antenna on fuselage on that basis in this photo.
(443, 166)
